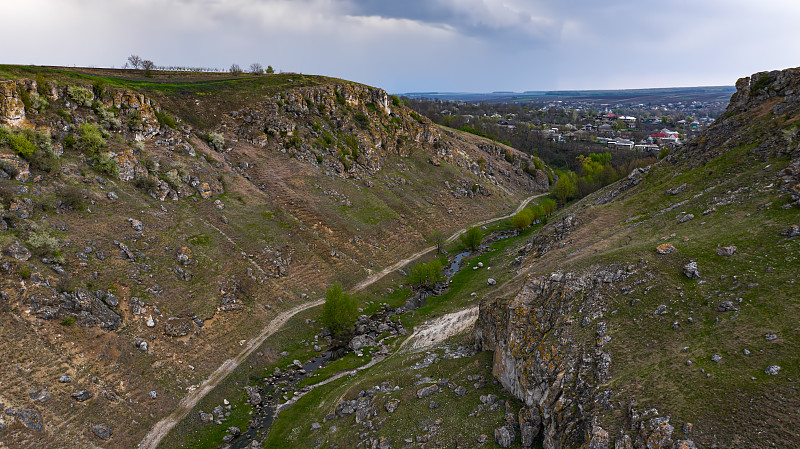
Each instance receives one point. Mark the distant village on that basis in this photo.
(647, 128)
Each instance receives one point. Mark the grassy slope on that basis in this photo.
(738, 404)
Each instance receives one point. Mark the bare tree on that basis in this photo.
(256, 68)
(235, 69)
(135, 61)
(147, 64)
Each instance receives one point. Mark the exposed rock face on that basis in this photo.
(12, 111)
(86, 308)
(350, 131)
(538, 358)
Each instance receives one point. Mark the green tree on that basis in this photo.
(437, 238)
(549, 205)
(426, 274)
(472, 238)
(522, 219)
(566, 188)
(339, 311)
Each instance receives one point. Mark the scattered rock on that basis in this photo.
(82, 395)
(684, 444)
(30, 418)
(599, 438)
(666, 248)
(391, 405)
(690, 270)
(112, 195)
(791, 231)
(772, 370)
(137, 225)
(716, 358)
(316, 426)
(206, 418)
(727, 306)
(504, 436)
(427, 391)
(18, 252)
(491, 281)
(770, 337)
(65, 379)
(686, 218)
(153, 394)
(460, 391)
(726, 251)
(676, 190)
(102, 431)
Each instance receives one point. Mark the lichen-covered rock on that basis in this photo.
(18, 164)
(30, 418)
(726, 251)
(12, 110)
(599, 438)
(102, 431)
(18, 251)
(504, 436)
(666, 248)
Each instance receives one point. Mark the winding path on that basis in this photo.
(162, 427)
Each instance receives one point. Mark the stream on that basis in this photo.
(283, 382)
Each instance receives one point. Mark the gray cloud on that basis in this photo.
(467, 45)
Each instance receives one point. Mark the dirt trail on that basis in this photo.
(162, 428)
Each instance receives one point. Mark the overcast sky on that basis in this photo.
(422, 45)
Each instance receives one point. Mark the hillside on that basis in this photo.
(152, 226)
(662, 310)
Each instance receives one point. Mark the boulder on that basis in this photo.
(772, 370)
(102, 431)
(504, 436)
(18, 252)
(30, 418)
(726, 251)
(427, 391)
(599, 438)
(82, 395)
(727, 306)
(690, 270)
(666, 248)
(491, 281)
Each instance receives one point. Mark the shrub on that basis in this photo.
(45, 161)
(339, 311)
(105, 164)
(664, 152)
(319, 159)
(68, 321)
(73, 198)
(146, 183)
(426, 274)
(165, 119)
(80, 95)
(99, 88)
(270, 70)
(90, 139)
(18, 142)
(106, 118)
(362, 120)
(173, 178)
(43, 86)
(39, 102)
(472, 238)
(509, 156)
(396, 101)
(216, 140)
(235, 70)
(42, 243)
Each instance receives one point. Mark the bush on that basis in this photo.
(216, 140)
(472, 238)
(80, 95)
(362, 120)
(339, 311)
(73, 198)
(68, 321)
(90, 139)
(396, 101)
(42, 243)
(38, 102)
(663, 153)
(426, 274)
(18, 142)
(173, 178)
(146, 183)
(165, 119)
(43, 86)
